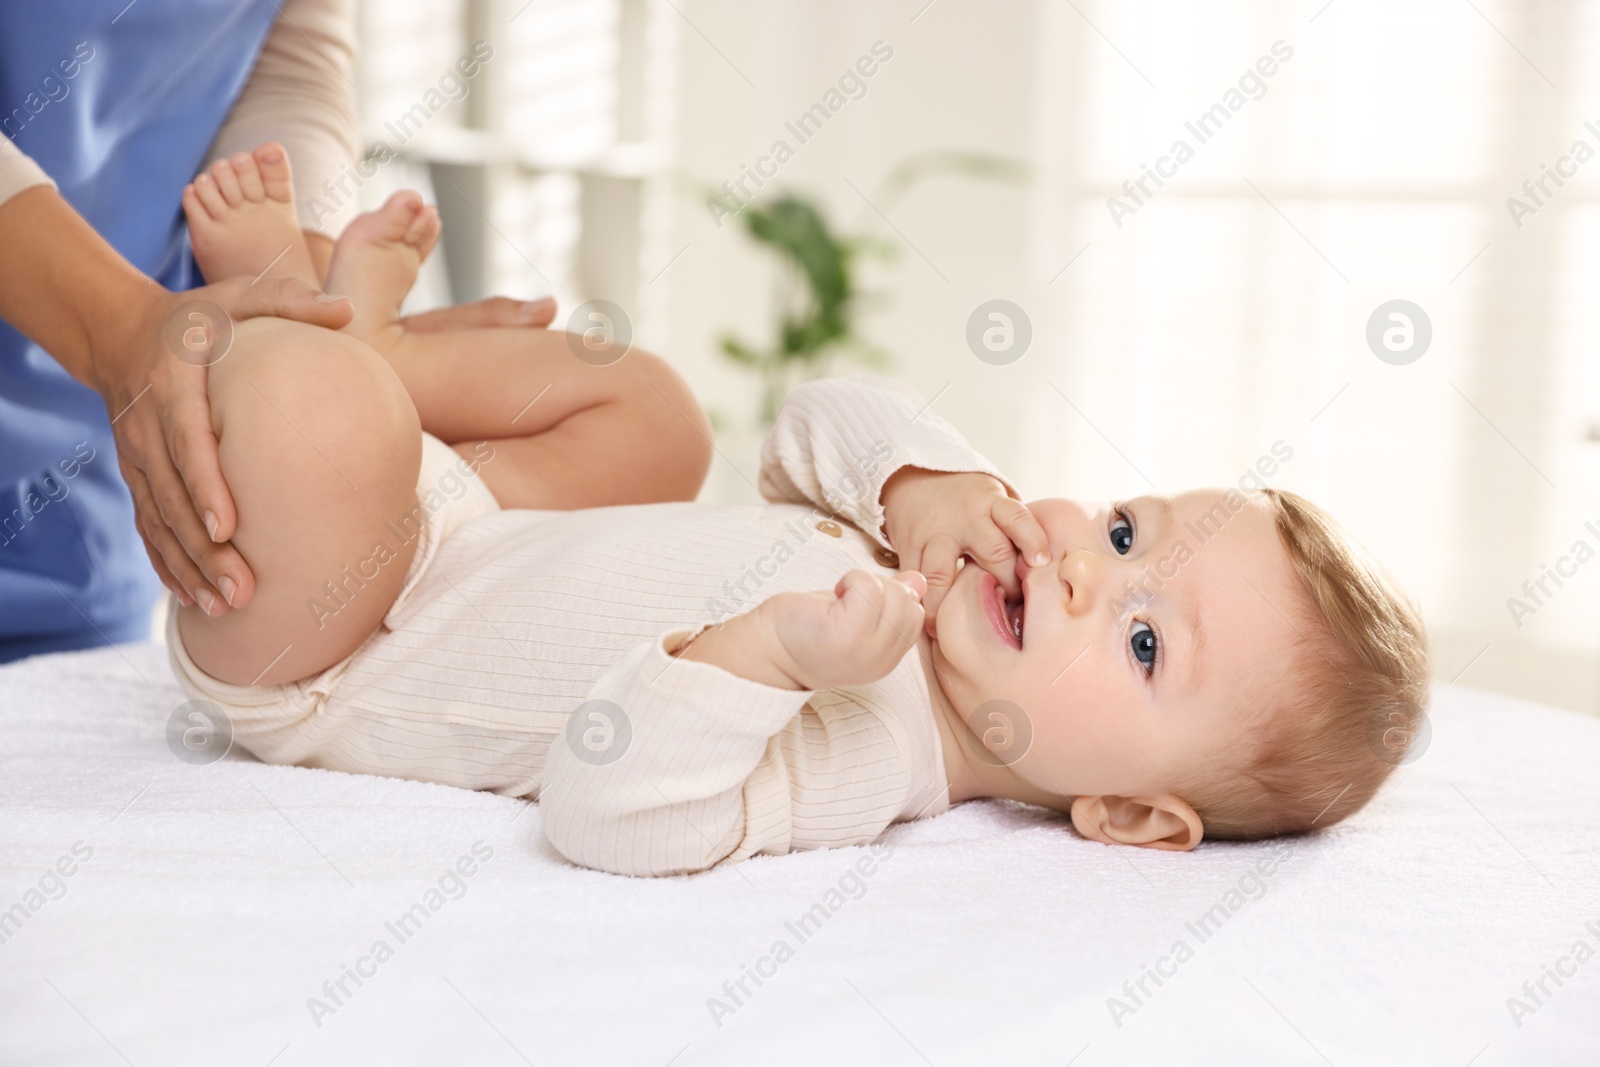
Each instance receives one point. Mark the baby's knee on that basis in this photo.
(682, 433)
(322, 404)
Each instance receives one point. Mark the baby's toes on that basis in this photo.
(387, 225)
(400, 210)
(244, 169)
(193, 209)
(205, 187)
(272, 162)
(227, 183)
(423, 231)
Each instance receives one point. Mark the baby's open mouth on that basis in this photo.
(1005, 615)
(1014, 612)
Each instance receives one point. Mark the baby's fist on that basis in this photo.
(856, 633)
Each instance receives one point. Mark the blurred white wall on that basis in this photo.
(1229, 312)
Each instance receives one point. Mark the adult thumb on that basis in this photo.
(285, 298)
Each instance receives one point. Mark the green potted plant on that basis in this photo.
(818, 300)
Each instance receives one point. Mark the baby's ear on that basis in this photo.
(1162, 821)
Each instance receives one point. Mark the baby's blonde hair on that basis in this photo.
(1354, 700)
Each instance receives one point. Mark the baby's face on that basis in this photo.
(1146, 641)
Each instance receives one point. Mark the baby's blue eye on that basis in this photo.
(1121, 533)
(1143, 642)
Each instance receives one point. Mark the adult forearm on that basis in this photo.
(65, 288)
(61, 285)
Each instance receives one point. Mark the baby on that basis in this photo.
(666, 680)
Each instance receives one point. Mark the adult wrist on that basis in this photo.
(62, 286)
(128, 316)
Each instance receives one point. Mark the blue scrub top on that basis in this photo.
(118, 103)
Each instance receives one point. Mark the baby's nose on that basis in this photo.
(1080, 573)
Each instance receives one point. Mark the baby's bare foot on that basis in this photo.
(375, 263)
(242, 220)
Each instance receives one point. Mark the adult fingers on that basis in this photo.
(182, 413)
(204, 564)
(157, 564)
(178, 385)
(203, 517)
(184, 410)
(160, 542)
(493, 311)
(160, 567)
(286, 298)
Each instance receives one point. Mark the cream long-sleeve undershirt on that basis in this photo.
(301, 94)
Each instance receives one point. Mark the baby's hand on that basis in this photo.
(933, 518)
(853, 634)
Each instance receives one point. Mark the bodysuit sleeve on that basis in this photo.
(675, 765)
(838, 440)
(302, 94)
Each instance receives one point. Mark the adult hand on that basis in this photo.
(493, 311)
(166, 445)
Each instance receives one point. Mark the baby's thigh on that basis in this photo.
(320, 448)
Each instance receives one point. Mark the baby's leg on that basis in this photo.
(565, 433)
(375, 264)
(242, 219)
(321, 448)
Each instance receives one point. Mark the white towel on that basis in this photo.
(218, 900)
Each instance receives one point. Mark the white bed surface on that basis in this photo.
(219, 898)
